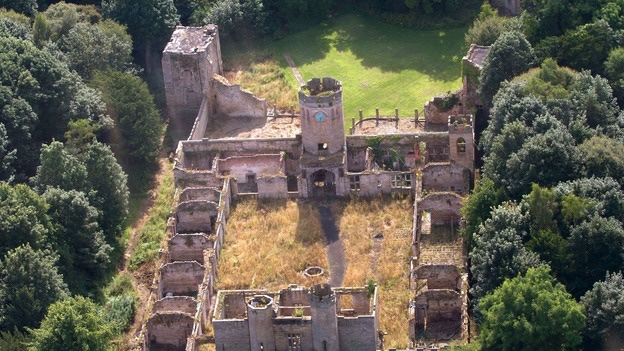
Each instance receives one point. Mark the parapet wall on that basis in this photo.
(441, 177)
(232, 101)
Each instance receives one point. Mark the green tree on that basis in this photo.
(486, 28)
(531, 312)
(476, 209)
(59, 169)
(77, 237)
(603, 157)
(595, 97)
(132, 107)
(498, 252)
(73, 324)
(587, 46)
(599, 196)
(604, 308)
(6, 156)
(29, 283)
(110, 190)
(614, 70)
(23, 218)
(13, 341)
(101, 46)
(150, 22)
(27, 7)
(510, 55)
(597, 247)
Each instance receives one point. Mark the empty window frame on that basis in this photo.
(294, 342)
(354, 182)
(461, 145)
(402, 180)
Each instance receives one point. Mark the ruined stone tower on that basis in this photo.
(191, 58)
(322, 122)
(461, 141)
(324, 319)
(260, 315)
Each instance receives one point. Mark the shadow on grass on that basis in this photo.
(375, 44)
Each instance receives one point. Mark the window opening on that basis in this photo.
(354, 182)
(322, 146)
(294, 342)
(461, 145)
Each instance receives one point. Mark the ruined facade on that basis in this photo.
(237, 145)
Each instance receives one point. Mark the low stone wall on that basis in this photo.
(442, 177)
(195, 216)
(232, 101)
(272, 187)
(183, 304)
(188, 247)
(200, 193)
(169, 330)
(180, 278)
(439, 276)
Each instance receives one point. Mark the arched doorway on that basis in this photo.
(323, 183)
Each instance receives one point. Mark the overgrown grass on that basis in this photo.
(384, 260)
(269, 244)
(380, 65)
(153, 231)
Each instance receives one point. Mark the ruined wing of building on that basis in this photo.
(236, 145)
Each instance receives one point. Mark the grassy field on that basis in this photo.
(268, 244)
(379, 65)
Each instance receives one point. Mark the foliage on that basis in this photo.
(120, 311)
(137, 120)
(486, 28)
(77, 237)
(476, 208)
(148, 21)
(29, 283)
(13, 341)
(109, 183)
(7, 156)
(510, 55)
(11, 28)
(26, 7)
(72, 324)
(614, 70)
(587, 46)
(39, 95)
(498, 252)
(603, 157)
(23, 218)
(602, 196)
(594, 95)
(597, 247)
(530, 312)
(604, 307)
(59, 169)
(103, 46)
(239, 19)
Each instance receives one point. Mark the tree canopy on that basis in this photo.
(531, 312)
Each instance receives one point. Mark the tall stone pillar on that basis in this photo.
(260, 317)
(324, 318)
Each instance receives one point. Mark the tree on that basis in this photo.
(13, 341)
(600, 196)
(594, 95)
(498, 252)
(587, 46)
(132, 107)
(486, 28)
(530, 312)
(102, 46)
(510, 55)
(6, 156)
(77, 237)
(477, 206)
(603, 157)
(110, 190)
(39, 95)
(23, 218)
(597, 247)
(604, 307)
(29, 283)
(27, 7)
(72, 324)
(545, 158)
(59, 169)
(150, 22)
(614, 70)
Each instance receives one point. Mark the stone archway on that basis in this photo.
(323, 183)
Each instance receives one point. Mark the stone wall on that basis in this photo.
(442, 305)
(272, 187)
(445, 177)
(439, 276)
(180, 278)
(188, 247)
(183, 304)
(200, 193)
(195, 216)
(357, 334)
(437, 115)
(169, 330)
(232, 101)
(240, 167)
(322, 116)
(231, 334)
(444, 207)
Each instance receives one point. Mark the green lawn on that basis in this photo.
(380, 65)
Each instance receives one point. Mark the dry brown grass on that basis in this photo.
(268, 245)
(262, 76)
(386, 260)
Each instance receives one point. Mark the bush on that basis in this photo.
(120, 311)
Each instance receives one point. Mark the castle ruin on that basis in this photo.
(238, 146)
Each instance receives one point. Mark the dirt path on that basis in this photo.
(335, 248)
(142, 278)
(294, 69)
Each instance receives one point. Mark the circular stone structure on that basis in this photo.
(313, 271)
